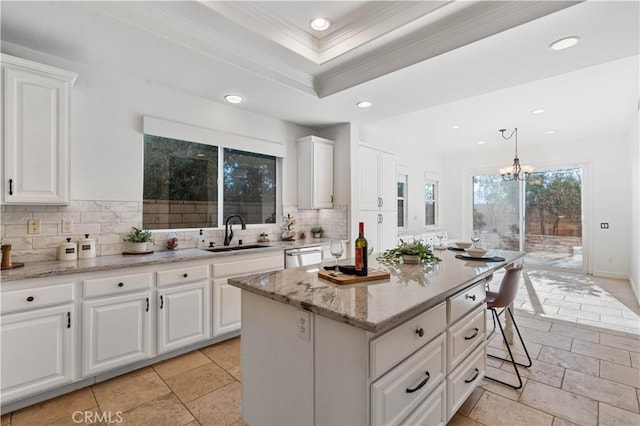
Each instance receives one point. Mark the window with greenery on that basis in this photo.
(249, 186)
(402, 200)
(180, 187)
(430, 202)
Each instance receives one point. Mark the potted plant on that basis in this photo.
(317, 231)
(414, 252)
(138, 239)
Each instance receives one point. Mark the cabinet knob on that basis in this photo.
(30, 299)
(420, 331)
(472, 297)
(120, 284)
(185, 275)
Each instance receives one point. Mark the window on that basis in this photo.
(402, 200)
(181, 190)
(430, 202)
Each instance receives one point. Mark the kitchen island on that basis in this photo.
(405, 350)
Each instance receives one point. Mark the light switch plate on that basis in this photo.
(67, 226)
(303, 324)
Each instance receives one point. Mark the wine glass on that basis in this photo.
(475, 237)
(440, 235)
(337, 249)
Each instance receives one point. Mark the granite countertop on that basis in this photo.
(102, 263)
(375, 306)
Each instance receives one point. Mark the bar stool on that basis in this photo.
(502, 299)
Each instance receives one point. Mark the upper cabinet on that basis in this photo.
(377, 179)
(36, 101)
(315, 173)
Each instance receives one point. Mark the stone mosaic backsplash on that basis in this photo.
(109, 221)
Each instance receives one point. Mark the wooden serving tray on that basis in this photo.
(13, 265)
(373, 275)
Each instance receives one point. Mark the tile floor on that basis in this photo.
(583, 333)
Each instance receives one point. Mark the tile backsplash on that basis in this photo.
(109, 221)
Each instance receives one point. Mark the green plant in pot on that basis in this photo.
(413, 252)
(138, 239)
(317, 231)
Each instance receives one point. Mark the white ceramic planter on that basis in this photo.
(138, 247)
(410, 258)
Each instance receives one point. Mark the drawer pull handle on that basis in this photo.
(422, 383)
(475, 376)
(473, 335)
(120, 284)
(185, 275)
(472, 297)
(30, 299)
(147, 305)
(68, 319)
(420, 331)
(161, 301)
(10, 186)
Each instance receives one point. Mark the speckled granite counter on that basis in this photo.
(103, 263)
(378, 305)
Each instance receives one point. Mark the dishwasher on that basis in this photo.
(302, 256)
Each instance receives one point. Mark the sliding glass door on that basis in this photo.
(542, 216)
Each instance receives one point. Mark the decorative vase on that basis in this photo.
(410, 258)
(138, 247)
(317, 235)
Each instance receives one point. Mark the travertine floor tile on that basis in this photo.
(606, 353)
(532, 323)
(602, 390)
(576, 333)
(128, 391)
(602, 310)
(460, 420)
(619, 373)
(199, 381)
(236, 372)
(180, 364)
(468, 404)
(225, 354)
(221, 407)
(559, 301)
(557, 421)
(510, 412)
(560, 403)
(500, 389)
(166, 410)
(612, 416)
(60, 408)
(540, 371)
(626, 343)
(635, 359)
(592, 316)
(570, 360)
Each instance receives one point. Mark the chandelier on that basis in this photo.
(515, 171)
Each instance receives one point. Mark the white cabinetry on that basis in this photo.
(116, 328)
(315, 173)
(378, 198)
(36, 101)
(184, 307)
(227, 299)
(38, 340)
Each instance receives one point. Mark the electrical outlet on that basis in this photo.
(67, 226)
(303, 324)
(33, 226)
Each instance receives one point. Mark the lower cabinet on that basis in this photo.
(227, 311)
(38, 350)
(183, 315)
(116, 331)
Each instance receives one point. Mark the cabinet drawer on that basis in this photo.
(175, 276)
(466, 300)
(395, 345)
(244, 267)
(465, 335)
(116, 285)
(464, 379)
(397, 393)
(432, 412)
(36, 297)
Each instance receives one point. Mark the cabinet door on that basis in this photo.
(323, 175)
(38, 351)
(116, 331)
(183, 315)
(371, 219)
(388, 230)
(36, 121)
(227, 304)
(387, 179)
(369, 198)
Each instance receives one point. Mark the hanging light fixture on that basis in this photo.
(515, 171)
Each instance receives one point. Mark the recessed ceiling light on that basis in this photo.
(480, 142)
(320, 24)
(455, 126)
(564, 43)
(234, 99)
(550, 132)
(537, 111)
(364, 104)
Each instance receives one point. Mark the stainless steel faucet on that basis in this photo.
(228, 231)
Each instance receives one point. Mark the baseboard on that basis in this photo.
(614, 275)
(635, 288)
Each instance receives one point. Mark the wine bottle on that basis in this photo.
(361, 252)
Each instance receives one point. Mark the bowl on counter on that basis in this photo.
(475, 252)
(463, 244)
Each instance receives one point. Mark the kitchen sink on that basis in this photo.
(235, 248)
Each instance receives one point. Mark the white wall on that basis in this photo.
(634, 164)
(607, 185)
